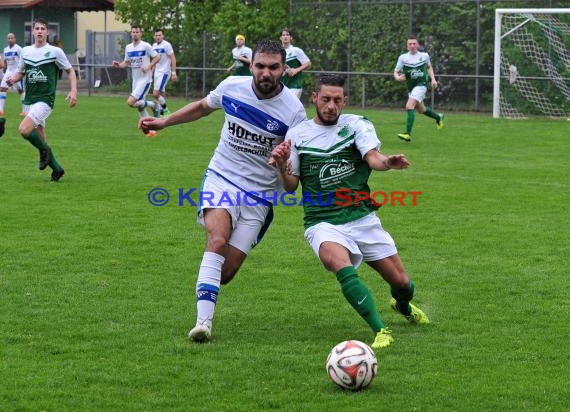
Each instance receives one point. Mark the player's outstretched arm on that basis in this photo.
(189, 113)
(399, 76)
(119, 64)
(378, 161)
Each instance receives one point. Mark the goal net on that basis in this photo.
(532, 63)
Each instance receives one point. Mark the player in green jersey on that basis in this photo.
(297, 63)
(335, 153)
(241, 56)
(414, 67)
(39, 65)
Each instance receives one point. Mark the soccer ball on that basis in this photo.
(352, 365)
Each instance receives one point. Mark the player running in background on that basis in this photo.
(11, 60)
(164, 70)
(241, 55)
(142, 58)
(336, 152)
(40, 64)
(258, 112)
(297, 62)
(414, 67)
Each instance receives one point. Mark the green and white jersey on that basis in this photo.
(240, 68)
(40, 66)
(415, 67)
(295, 58)
(329, 161)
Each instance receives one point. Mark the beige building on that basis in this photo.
(100, 21)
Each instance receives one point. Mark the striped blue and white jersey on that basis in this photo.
(12, 57)
(165, 50)
(251, 130)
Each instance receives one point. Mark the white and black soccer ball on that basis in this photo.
(352, 365)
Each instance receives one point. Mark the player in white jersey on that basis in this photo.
(11, 59)
(297, 63)
(142, 58)
(258, 112)
(164, 70)
(334, 153)
(40, 64)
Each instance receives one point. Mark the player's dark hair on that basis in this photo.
(286, 29)
(40, 21)
(330, 80)
(412, 37)
(159, 30)
(270, 47)
(136, 26)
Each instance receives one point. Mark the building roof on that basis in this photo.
(75, 5)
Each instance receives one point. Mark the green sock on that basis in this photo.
(35, 139)
(430, 113)
(410, 121)
(359, 297)
(403, 297)
(53, 162)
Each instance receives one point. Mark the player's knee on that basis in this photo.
(217, 244)
(400, 280)
(24, 131)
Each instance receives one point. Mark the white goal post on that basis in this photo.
(532, 63)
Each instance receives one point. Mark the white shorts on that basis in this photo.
(38, 112)
(250, 217)
(418, 93)
(18, 86)
(160, 80)
(364, 238)
(140, 89)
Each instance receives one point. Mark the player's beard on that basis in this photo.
(330, 120)
(267, 86)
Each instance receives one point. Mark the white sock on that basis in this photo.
(208, 287)
(2, 100)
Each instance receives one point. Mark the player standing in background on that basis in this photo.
(258, 113)
(11, 60)
(164, 70)
(297, 62)
(241, 55)
(40, 64)
(138, 55)
(414, 67)
(336, 152)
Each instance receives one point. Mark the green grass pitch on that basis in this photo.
(97, 285)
